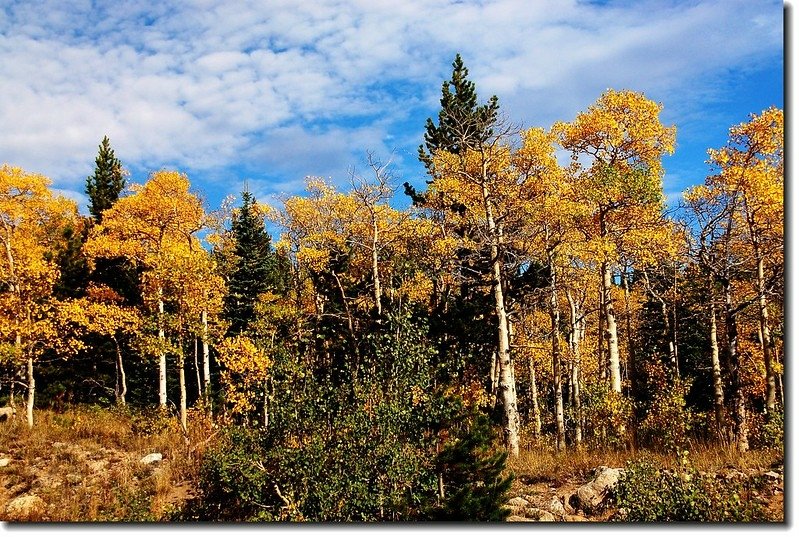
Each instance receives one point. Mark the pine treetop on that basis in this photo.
(104, 186)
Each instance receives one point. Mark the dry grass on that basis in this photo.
(84, 463)
(540, 462)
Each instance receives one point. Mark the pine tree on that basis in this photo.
(256, 266)
(473, 486)
(104, 186)
(462, 124)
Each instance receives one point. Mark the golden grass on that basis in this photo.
(541, 462)
(84, 462)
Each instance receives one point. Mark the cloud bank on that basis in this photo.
(273, 91)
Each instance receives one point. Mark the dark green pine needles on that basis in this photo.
(255, 269)
(104, 186)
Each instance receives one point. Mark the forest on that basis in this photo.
(392, 350)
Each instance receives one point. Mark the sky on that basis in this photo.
(262, 93)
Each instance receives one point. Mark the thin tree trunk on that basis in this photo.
(557, 379)
(31, 391)
(602, 363)
(534, 395)
(197, 369)
(162, 354)
(375, 267)
(494, 373)
(121, 384)
(182, 381)
(507, 382)
(718, 386)
(575, 338)
(741, 430)
(630, 364)
(206, 359)
(611, 332)
(767, 344)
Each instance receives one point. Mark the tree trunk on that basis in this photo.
(575, 337)
(507, 382)
(557, 379)
(197, 369)
(375, 267)
(206, 359)
(611, 332)
(182, 381)
(741, 430)
(121, 384)
(534, 395)
(718, 386)
(766, 342)
(31, 391)
(162, 354)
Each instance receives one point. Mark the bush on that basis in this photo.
(650, 493)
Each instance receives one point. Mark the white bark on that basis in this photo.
(611, 332)
(162, 354)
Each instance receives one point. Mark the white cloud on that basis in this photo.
(307, 87)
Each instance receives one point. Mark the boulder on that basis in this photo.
(594, 493)
(516, 505)
(517, 518)
(28, 507)
(539, 515)
(556, 507)
(151, 458)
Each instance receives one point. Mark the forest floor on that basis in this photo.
(546, 480)
(82, 465)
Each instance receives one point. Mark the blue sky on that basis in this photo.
(268, 92)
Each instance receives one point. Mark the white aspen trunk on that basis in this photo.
(557, 379)
(766, 343)
(375, 268)
(611, 333)
(162, 354)
(31, 391)
(741, 429)
(575, 337)
(122, 385)
(534, 395)
(718, 386)
(182, 382)
(197, 369)
(507, 382)
(206, 358)
(494, 373)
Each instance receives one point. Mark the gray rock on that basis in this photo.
(556, 507)
(593, 494)
(28, 507)
(151, 458)
(539, 515)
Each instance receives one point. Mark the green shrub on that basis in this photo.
(649, 493)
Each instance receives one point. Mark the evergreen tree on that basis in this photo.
(256, 267)
(104, 186)
(462, 124)
(471, 475)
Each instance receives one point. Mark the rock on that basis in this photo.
(564, 501)
(151, 458)
(28, 507)
(97, 466)
(539, 514)
(516, 505)
(556, 507)
(771, 476)
(517, 518)
(591, 495)
(4, 462)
